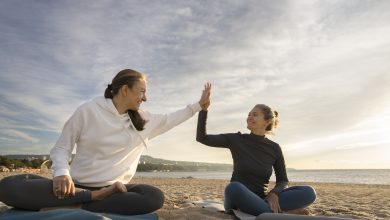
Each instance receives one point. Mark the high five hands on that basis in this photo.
(204, 101)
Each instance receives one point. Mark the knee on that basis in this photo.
(234, 189)
(5, 186)
(155, 198)
(310, 194)
(2, 190)
(7, 191)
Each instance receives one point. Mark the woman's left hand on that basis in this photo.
(273, 201)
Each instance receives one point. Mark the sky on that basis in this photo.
(323, 65)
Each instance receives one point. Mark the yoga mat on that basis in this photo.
(62, 214)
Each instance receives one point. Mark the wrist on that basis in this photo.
(271, 193)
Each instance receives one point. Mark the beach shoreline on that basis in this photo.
(359, 201)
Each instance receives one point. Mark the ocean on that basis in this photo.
(373, 176)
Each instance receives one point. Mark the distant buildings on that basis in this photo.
(4, 169)
(27, 157)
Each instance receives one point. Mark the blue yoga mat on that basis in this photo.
(276, 216)
(62, 214)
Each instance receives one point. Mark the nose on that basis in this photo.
(144, 98)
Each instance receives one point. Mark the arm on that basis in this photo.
(61, 155)
(163, 123)
(281, 183)
(280, 173)
(220, 140)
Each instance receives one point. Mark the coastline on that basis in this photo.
(359, 201)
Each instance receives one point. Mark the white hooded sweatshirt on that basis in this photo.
(108, 145)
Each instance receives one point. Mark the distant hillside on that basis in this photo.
(149, 159)
(145, 159)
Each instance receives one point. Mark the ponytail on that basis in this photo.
(108, 92)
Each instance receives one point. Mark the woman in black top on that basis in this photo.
(254, 156)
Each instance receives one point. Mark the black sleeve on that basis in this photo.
(280, 173)
(220, 140)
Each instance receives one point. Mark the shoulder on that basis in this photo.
(271, 142)
(238, 135)
(274, 145)
(87, 106)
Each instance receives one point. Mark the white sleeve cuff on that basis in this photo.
(61, 172)
(195, 107)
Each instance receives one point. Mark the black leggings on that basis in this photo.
(33, 192)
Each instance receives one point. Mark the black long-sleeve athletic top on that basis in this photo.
(253, 157)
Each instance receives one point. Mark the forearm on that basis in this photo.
(279, 187)
(180, 116)
(201, 127)
(160, 124)
(60, 158)
(209, 140)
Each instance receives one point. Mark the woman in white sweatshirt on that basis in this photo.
(111, 133)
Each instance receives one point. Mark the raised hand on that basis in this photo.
(204, 101)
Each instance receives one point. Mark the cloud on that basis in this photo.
(322, 65)
(363, 144)
(15, 136)
(348, 139)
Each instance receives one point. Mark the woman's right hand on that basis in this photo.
(63, 186)
(273, 201)
(204, 101)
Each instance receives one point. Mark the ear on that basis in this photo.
(124, 90)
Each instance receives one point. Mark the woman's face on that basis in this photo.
(136, 95)
(255, 120)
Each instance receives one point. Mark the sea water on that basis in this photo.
(366, 176)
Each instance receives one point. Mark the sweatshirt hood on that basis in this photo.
(107, 105)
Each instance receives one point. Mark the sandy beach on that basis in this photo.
(358, 201)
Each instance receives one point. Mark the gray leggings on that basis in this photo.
(33, 192)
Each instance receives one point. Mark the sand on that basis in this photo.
(358, 201)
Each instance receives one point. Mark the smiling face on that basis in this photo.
(135, 95)
(256, 122)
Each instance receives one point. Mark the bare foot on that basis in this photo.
(100, 194)
(302, 211)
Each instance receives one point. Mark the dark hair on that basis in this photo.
(127, 77)
(269, 114)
